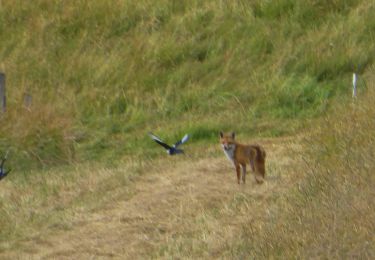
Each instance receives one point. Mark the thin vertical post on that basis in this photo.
(2, 93)
(354, 85)
(27, 100)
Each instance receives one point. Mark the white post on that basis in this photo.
(354, 85)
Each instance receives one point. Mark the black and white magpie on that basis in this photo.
(171, 150)
(3, 173)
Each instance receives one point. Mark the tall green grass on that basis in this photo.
(331, 212)
(105, 73)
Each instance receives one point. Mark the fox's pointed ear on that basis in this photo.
(233, 135)
(221, 134)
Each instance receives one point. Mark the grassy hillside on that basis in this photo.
(103, 73)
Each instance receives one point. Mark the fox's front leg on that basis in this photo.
(243, 173)
(238, 173)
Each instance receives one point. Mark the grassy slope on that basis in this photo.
(100, 72)
(103, 74)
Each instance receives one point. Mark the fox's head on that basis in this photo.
(227, 141)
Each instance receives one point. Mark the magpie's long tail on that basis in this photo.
(4, 159)
(2, 162)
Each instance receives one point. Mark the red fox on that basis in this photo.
(241, 155)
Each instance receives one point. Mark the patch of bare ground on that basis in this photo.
(183, 207)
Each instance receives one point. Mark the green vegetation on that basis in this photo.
(99, 72)
(331, 211)
(104, 73)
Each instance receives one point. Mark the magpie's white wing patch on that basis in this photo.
(159, 141)
(154, 137)
(185, 139)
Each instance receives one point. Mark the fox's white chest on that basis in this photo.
(230, 153)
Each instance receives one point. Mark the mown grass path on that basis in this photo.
(182, 208)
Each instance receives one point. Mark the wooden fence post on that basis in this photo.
(27, 100)
(2, 93)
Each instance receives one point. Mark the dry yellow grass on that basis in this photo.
(182, 208)
(102, 74)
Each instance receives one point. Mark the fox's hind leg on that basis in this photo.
(260, 171)
(257, 168)
(252, 165)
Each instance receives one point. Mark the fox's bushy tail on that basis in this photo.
(260, 164)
